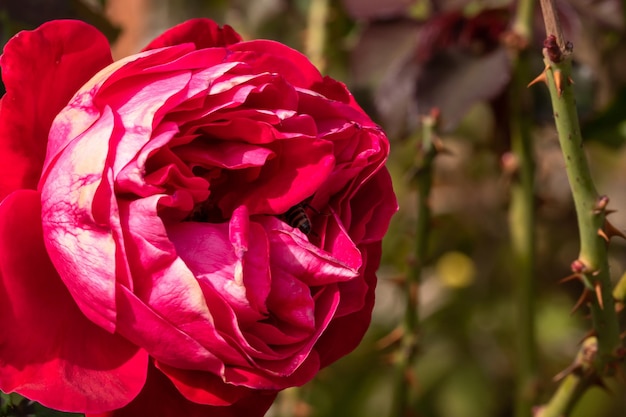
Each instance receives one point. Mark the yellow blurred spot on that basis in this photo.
(456, 270)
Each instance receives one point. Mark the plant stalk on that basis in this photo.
(592, 264)
(522, 214)
(405, 357)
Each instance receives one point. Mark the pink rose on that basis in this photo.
(147, 263)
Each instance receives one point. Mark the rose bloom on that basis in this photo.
(147, 264)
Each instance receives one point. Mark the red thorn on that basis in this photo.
(598, 289)
(584, 298)
(570, 81)
(565, 372)
(612, 230)
(571, 278)
(390, 338)
(540, 78)
(558, 81)
(603, 235)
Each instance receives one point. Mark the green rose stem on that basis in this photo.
(407, 352)
(522, 210)
(591, 267)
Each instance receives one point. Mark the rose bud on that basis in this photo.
(151, 262)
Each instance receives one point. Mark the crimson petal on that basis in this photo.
(49, 351)
(160, 398)
(67, 53)
(204, 33)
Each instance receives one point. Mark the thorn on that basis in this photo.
(571, 278)
(558, 81)
(584, 298)
(565, 372)
(607, 212)
(619, 307)
(603, 235)
(612, 230)
(622, 335)
(540, 78)
(598, 288)
(570, 81)
(389, 339)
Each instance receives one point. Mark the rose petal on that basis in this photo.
(70, 204)
(116, 86)
(345, 333)
(292, 253)
(54, 354)
(298, 170)
(372, 207)
(274, 57)
(160, 398)
(203, 387)
(41, 70)
(204, 33)
(167, 307)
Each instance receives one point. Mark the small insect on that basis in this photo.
(296, 217)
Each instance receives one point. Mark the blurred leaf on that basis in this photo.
(383, 61)
(454, 80)
(451, 62)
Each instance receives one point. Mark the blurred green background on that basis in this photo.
(401, 58)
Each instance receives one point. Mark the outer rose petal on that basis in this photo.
(160, 398)
(372, 207)
(68, 53)
(53, 354)
(274, 57)
(345, 333)
(204, 33)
